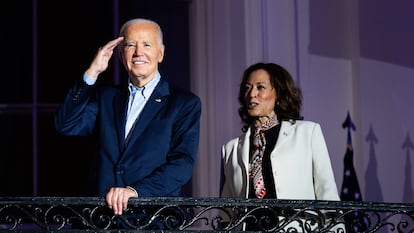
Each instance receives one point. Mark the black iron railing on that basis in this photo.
(90, 214)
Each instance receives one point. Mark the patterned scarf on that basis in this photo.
(259, 146)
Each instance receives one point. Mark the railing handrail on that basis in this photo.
(60, 213)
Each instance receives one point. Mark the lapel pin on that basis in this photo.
(158, 100)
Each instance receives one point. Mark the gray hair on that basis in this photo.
(139, 21)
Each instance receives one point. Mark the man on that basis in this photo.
(147, 131)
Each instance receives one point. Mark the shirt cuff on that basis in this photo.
(131, 188)
(88, 80)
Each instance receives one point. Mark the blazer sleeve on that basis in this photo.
(77, 114)
(324, 180)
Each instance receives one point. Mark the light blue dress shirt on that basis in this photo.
(138, 97)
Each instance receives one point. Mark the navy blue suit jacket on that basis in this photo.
(158, 157)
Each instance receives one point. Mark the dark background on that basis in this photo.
(46, 46)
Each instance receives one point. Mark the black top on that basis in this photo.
(271, 136)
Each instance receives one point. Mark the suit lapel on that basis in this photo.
(120, 107)
(244, 148)
(244, 142)
(156, 101)
(244, 151)
(285, 130)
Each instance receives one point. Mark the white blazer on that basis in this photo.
(300, 164)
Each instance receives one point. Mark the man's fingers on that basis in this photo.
(113, 43)
(117, 199)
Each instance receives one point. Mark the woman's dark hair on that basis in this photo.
(289, 101)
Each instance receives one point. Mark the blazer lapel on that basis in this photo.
(120, 107)
(244, 150)
(156, 101)
(285, 130)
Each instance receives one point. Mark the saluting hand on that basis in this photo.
(102, 57)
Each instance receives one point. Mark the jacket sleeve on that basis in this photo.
(77, 114)
(324, 180)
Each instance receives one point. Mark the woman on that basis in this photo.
(279, 155)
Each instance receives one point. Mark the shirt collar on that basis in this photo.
(147, 89)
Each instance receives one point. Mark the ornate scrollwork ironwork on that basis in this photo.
(89, 214)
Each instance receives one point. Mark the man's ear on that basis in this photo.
(161, 54)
